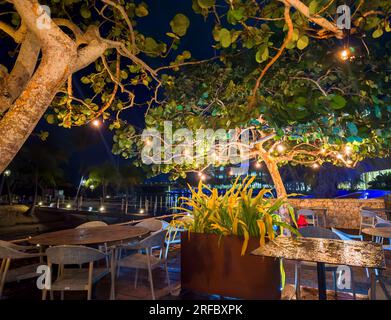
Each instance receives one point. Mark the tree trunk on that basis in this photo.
(274, 172)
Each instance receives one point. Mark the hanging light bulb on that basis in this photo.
(257, 165)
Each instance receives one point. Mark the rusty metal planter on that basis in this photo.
(216, 267)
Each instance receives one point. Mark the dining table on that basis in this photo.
(338, 252)
(111, 235)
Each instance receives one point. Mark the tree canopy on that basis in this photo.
(282, 69)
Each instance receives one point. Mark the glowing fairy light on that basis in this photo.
(96, 123)
(348, 149)
(281, 148)
(344, 54)
(339, 156)
(257, 165)
(322, 150)
(315, 166)
(202, 177)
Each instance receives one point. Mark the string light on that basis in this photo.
(348, 149)
(257, 165)
(281, 148)
(323, 151)
(339, 156)
(202, 177)
(96, 123)
(344, 54)
(315, 166)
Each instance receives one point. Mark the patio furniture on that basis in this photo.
(317, 232)
(309, 215)
(323, 212)
(367, 219)
(152, 224)
(113, 235)
(144, 259)
(73, 279)
(94, 224)
(10, 251)
(381, 220)
(349, 253)
(347, 237)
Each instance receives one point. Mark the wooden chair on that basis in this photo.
(74, 279)
(317, 232)
(145, 259)
(10, 251)
(310, 216)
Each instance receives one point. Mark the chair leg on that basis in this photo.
(44, 293)
(334, 274)
(352, 284)
(62, 295)
(297, 280)
(168, 277)
(151, 283)
(119, 254)
(5, 266)
(136, 278)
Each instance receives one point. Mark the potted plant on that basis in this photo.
(222, 230)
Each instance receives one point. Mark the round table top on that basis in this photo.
(89, 236)
(384, 232)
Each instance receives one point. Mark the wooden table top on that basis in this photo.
(384, 232)
(89, 236)
(338, 252)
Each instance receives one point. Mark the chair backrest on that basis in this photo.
(151, 224)
(317, 232)
(154, 240)
(7, 251)
(381, 220)
(73, 255)
(92, 224)
(165, 225)
(383, 225)
(341, 235)
(306, 212)
(367, 214)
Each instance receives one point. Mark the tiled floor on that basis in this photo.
(125, 285)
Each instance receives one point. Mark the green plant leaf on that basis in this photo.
(302, 42)
(206, 4)
(225, 38)
(179, 24)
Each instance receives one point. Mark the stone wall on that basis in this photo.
(341, 213)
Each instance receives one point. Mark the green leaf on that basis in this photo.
(352, 128)
(206, 4)
(50, 118)
(302, 42)
(313, 6)
(142, 10)
(337, 101)
(377, 33)
(180, 24)
(225, 38)
(377, 112)
(85, 12)
(262, 54)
